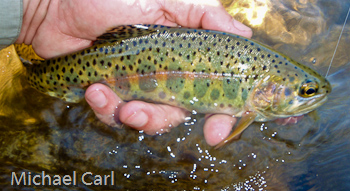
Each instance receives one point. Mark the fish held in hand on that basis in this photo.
(202, 70)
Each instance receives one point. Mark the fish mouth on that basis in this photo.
(305, 108)
(302, 109)
(311, 105)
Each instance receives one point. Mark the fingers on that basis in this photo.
(216, 18)
(105, 103)
(203, 14)
(152, 118)
(217, 127)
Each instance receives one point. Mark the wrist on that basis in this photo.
(34, 12)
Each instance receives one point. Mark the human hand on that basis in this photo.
(61, 27)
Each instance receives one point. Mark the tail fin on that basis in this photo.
(11, 70)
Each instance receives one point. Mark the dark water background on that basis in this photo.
(40, 133)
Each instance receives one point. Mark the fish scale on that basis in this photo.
(202, 70)
(171, 57)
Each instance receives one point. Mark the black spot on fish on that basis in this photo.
(187, 95)
(94, 62)
(63, 69)
(79, 61)
(67, 79)
(109, 64)
(71, 70)
(102, 62)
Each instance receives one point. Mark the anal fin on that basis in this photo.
(74, 95)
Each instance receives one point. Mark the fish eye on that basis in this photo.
(308, 89)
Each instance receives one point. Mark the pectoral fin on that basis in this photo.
(245, 121)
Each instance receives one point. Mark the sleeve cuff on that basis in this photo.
(11, 14)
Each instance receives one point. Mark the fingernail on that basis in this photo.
(97, 98)
(138, 119)
(240, 26)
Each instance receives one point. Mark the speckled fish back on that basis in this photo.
(200, 70)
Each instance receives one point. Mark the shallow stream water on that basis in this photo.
(40, 133)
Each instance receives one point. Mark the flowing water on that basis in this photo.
(40, 133)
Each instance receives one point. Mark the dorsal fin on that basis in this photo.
(127, 31)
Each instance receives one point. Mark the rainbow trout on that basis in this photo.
(202, 70)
